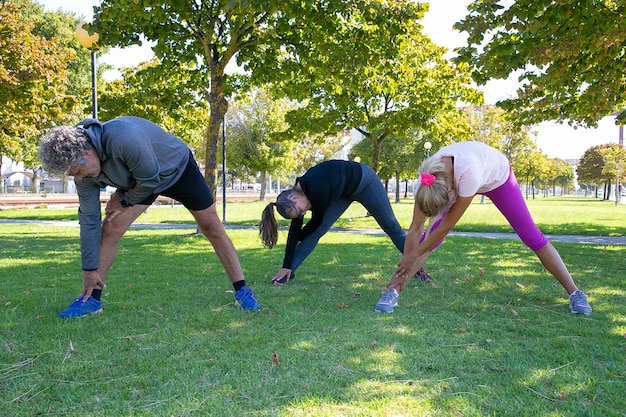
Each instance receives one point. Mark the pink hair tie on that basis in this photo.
(427, 179)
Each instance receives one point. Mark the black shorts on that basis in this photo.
(191, 190)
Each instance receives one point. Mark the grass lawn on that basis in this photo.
(491, 336)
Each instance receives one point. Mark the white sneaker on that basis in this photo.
(387, 302)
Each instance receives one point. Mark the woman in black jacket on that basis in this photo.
(327, 190)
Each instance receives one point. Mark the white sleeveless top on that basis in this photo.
(478, 168)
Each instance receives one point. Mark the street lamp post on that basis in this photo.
(90, 42)
(224, 169)
(427, 146)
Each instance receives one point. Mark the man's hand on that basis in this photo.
(113, 207)
(91, 281)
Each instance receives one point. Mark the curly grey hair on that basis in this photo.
(62, 147)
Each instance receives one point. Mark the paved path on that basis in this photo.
(592, 240)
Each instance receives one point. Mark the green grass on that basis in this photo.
(492, 337)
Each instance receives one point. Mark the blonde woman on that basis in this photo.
(449, 180)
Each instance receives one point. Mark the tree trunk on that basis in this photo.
(397, 187)
(263, 185)
(218, 107)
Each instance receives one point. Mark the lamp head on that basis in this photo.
(84, 38)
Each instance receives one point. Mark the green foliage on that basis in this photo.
(372, 69)
(171, 102)
(204, 36)
(62, 27)
(564, 174)
(33, 78)
(254, 143)
(567, 55)
(602, 163)
(259, 139)
(491, 125)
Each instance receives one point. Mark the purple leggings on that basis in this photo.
(509, 200)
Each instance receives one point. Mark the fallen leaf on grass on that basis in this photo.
(515, 313)
(342, 305)
(274, 358)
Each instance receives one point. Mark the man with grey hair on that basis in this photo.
(142, 161)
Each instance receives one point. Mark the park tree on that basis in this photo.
(589, 170)
(209, 35)
(400, 160)
(61, 26)
(563, 175)
(568, 56)
(253, 126)
(602, 164)
(546, 173)
(260, 141)
(170, 102)
(488, 124)
(373, 71)
(614, 168)
(531, 167)
(493, 126)
(33, 79)
(204, 36)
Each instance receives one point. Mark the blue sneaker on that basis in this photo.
(387, 302)
(80, 308)
(246, 299)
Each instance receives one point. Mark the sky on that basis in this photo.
(554, 139)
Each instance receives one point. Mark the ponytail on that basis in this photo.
(268, 228)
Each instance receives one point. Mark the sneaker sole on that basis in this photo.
(247, 309)
(376, 310)
(580, 312)
(82, 315)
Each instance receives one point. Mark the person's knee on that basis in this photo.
(113, 230)
(535, 242)
(212, 228)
